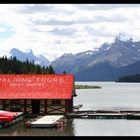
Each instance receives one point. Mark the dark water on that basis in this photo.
(116, 96)
(20, 130)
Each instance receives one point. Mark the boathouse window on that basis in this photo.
(56, 102)
(15, 105)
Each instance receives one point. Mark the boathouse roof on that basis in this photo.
(36, 86)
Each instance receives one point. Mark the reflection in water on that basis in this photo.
(20, 130)
(107, 127)
(72, 125)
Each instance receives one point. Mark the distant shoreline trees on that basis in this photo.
(130, 78)
(14, 66)
(64, 72)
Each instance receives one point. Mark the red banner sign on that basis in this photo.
(36, 86)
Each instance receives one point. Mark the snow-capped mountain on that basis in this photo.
(121, 53)
(23, 56)
(72, 62)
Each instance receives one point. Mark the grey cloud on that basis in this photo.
(57, 42)
(98, 32)
(53, 22)
(26, 8)
(63, 22)
(84, 21)
(113, 18)
(38, 8)
(97, 19)
(63, 32)
(57, 31)
(104, 6)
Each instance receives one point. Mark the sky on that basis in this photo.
(55, 29)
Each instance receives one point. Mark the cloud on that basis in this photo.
(63, 32)
(35, 8)
(45, 8)
(54, 29)
(113, 18)
(52, 22)
(99, 32)
(103, 7)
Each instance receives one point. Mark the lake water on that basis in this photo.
(112, 96)
(116, 96)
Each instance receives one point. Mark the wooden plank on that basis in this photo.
(46, 121)
(42, 109)
(54, 109)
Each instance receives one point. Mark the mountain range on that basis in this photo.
(107, 63)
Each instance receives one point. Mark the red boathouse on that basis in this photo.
(37, 93)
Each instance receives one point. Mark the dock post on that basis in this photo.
(46, 106)
(25, 106)
(4, 104)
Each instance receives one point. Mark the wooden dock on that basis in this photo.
(47, 121)
(104, 114)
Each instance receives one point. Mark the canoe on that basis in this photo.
(8, 114)
(6, 118)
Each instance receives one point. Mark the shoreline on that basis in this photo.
(86, 87)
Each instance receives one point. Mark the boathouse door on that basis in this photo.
(35, 106)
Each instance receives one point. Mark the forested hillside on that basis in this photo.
(14, 66)
(130, 78)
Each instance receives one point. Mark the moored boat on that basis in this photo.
(6, 118)
(9, 118)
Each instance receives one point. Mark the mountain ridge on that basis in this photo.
(116, 55)
(23, 56)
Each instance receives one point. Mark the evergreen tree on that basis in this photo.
(14, 66)
(130, 78)
(50, 70)
(64, 72)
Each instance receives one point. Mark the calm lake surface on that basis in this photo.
(112, 96)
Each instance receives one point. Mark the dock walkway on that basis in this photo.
(46, 121)
(98, 114)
